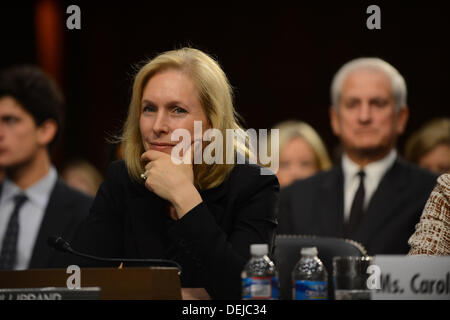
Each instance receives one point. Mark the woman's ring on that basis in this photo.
(144, 176)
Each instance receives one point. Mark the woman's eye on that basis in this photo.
(284, 164)
(148, 109)
(305, 164)
(179, 110)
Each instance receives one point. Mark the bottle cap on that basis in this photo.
(259, 249)
(309, 251)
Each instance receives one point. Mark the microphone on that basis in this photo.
(58, 243)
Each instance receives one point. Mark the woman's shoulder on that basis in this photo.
(117, 167)
(250, 177)
(251, 170)
(117, 171)
(244, 182)
(119, 183)
(117, 174)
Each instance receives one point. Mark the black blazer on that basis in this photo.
(65, 211)
(315, 206)
(211, 242)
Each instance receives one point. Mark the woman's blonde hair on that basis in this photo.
(216, 97)
(432, 134)
(298, 129)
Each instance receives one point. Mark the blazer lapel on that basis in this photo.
(56, 217)
(383, 203)
(329, 205)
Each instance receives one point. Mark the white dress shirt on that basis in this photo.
(374, 172)
(30, 215)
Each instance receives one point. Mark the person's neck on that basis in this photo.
(362, 159)
(30, 172)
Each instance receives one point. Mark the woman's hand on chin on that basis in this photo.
(170, 181)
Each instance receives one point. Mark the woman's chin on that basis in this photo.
(165, 149)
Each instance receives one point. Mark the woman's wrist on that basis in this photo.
(185, 199)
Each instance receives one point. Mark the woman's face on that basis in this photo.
(169, 102)
(297, 161)
(437, 159)
(80, 180)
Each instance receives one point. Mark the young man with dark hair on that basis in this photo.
(34, 202)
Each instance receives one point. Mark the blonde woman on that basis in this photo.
(301, 150)
(429, 147)
(202, 216)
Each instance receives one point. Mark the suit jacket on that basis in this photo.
(315, 206)
(65, 211)
(211, 242)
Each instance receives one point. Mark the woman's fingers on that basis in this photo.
(151, 155)
(148, 166)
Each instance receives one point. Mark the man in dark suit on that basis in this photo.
(372, 196)
(34, 202)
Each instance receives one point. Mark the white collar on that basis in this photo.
(38, 193)
(373, 169)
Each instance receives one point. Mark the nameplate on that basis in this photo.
(412, 277)
(51, 293)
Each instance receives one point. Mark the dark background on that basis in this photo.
(280, 58)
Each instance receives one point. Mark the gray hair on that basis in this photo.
(398, 84)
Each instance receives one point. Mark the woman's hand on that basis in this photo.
(173, 182)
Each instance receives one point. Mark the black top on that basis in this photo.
(211, 242)
(315, 206)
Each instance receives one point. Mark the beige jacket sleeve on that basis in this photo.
(432, 235)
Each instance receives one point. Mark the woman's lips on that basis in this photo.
(161, 146)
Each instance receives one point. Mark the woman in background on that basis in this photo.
(430, 146)
(301, 150)
(83, 176)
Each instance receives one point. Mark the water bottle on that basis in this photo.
(259, 277)
(309, 277)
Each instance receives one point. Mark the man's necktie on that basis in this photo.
(8, 255)
(357, 209)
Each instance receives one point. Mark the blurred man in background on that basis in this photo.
(34, 202)
(373, 196)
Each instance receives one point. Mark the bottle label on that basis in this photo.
(260, 288)
(310, 290)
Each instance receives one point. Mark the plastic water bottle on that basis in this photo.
(309, 277)
(259, 277)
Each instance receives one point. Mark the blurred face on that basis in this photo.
(20, 138)
(169, 102)
(437, 159)
(366, 120)
(79, 180)
(297, 161)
